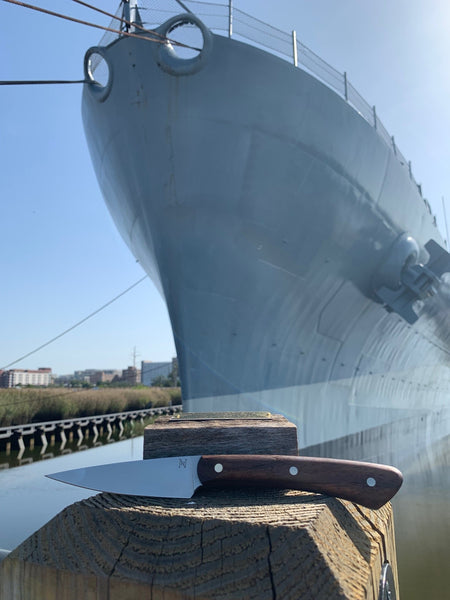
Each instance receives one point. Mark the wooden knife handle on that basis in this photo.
(368, 484)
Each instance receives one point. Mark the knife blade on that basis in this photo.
(368, 484)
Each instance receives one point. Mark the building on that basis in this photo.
(103, 376)
(15, 377)
(131, 375)
(95, 376)
(151, 370)
(85, 375)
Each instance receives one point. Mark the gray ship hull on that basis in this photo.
(277, 223)
(262, 204)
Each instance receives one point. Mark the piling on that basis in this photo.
(221, 544)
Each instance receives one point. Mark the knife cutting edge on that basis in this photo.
(368, 484)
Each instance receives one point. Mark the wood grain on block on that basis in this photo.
(219, 545)
(369, 484)
(216, 434)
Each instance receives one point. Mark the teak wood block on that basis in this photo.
(220, 433)
(222, 545)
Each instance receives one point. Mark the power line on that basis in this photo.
(60, 335)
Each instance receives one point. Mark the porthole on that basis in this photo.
(189, 35)
(196, 40)
(98, 72)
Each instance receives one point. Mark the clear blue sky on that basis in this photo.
(60, 255)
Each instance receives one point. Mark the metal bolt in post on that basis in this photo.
(387, 583)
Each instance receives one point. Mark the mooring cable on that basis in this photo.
(43, 81)
(159, 38)
(60, 335)
(80, 21)
(121, 19)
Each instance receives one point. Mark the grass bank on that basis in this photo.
(32, 405)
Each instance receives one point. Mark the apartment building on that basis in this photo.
(131, 375)
(151, 370)
(15, 377)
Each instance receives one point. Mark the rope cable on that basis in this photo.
(79, 21)
(60, 335)
(159, 40)
(42, 82)
(121, 19)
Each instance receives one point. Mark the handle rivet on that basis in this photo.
(371, 482)
(293, 470)
(218, 468)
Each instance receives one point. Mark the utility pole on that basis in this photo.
(134, 355)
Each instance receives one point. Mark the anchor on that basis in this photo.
(402, 280)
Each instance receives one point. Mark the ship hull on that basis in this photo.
(261, 205)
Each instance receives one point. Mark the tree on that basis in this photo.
(161, 381)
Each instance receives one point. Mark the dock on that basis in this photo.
(20, 436)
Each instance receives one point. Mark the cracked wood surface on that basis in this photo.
(237, 544)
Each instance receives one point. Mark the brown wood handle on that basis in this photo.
(368, 484)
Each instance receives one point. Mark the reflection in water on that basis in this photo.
(422, 526)
(27, 454)
(28, 499)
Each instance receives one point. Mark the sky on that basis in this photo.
(61, 257)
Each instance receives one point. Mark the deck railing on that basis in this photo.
(225, 19)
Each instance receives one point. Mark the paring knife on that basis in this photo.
(368, 484)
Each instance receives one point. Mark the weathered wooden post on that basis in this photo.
(225, 544)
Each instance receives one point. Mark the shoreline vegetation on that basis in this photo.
(35, 405)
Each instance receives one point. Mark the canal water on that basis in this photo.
(422, 509)
(28, 499)
(422, 525)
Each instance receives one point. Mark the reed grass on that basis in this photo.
(33, 405)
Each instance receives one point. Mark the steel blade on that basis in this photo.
(173, 477)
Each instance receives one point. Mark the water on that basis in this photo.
(28, 499)
(421, 509)
(30, 454)
(422, 526)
